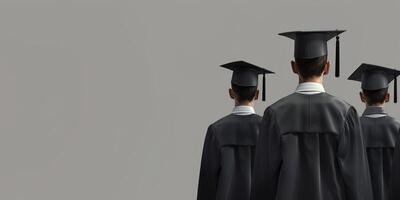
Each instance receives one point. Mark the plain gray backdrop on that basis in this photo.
(111, 99)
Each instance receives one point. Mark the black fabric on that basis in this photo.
(310, 147)
(244, 73)
(380, 132)
(380, 138)
(374, 77)
(227, 160)
(311, 44)
(395, 175)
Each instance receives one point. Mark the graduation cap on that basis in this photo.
(313, 44)
(246, 74)
(373, 77)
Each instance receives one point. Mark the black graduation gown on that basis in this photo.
(395, 175)
(310, 148)
(227, 160)
(380, 138)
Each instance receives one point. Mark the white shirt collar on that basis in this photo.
(374, 112)
(376, 115)
(243, 110)
(310, 88)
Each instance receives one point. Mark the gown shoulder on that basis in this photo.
(236, 129)
(296, 99)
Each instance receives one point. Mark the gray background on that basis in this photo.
(111, 99)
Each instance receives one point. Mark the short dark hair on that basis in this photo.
(311, 67)
(375, 96)
(244, 93)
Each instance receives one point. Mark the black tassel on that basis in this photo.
(263, 88)
(337, 62)
(395, 90)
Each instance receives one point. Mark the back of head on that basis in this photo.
(374, 97)
(244, 93)
(312, 67)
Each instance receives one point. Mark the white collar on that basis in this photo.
(374, 112)
(243, 110)
(375, 115)
(310, 88)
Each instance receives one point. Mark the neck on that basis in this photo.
(246, 103)
(316, 79)
(374, 105)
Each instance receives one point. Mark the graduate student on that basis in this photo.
(379, 129)
(228, 152)
(310, 145)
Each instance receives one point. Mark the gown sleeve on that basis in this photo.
(395, 182)
(209, 169)
(267, 160)
(352, 159)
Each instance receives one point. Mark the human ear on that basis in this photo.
(362, 97)
(232, 94)
(327, 68)
(387, 97)
(295, 67)
(257, 95)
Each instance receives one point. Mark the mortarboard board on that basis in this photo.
(246, 74)
(313, 44)
(373, 77)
